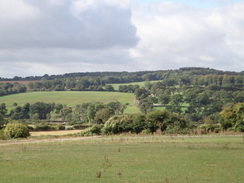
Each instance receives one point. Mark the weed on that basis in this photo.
(225, 146)
(189, 147)
(24, 148)
(166, 180)
(187, 180)
(105, 165)
(106, 159)
(98, 174)
(118, 173)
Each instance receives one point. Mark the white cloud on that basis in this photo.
(177, 36)
(16, 10)
(60, 36)
(100, 24)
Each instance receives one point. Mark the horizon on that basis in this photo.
(24, 77)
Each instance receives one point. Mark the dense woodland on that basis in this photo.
(184, 98)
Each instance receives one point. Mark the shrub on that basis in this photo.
(61, 127)
(44, 127)
(208, 128)
(16, 130)
(95, 129)
(79, 126)
(139, 123)
(69, 128)
(118, 124)
(2, 135)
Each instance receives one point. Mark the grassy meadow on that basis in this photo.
(70, 98)
(141, 84)
(125, 159)
(116, 86)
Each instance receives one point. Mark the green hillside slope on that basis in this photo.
(70, 98)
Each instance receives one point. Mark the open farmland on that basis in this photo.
(144, 159)
(141, 84)
(70, 98)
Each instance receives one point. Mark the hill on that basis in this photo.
(70, 98)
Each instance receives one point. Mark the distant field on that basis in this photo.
(123, 159)
(70, 98)
(141, 84)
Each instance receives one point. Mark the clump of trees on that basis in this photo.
(233, 117)
(162, 121)
(11, 88)
(95, 112)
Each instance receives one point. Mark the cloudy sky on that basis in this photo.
(40, 37)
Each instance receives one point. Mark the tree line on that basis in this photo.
(96, 81)
(11, 88)
(96, 112)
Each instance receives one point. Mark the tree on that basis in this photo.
(26, 111)
(16, 130)
(40, 108)
(109, 88)
(116, 107)
(145, 105)
(175, 103)
(91, 112)
(233, 117)
(66, 113)
(164, 99)
(2, 121)
(102, 115)
(139, 123)
(3, 109)
(58, 108)
(157, 120)
(17, 113)
(141, 93)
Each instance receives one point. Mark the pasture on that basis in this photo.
(141, 84)
(142, 159)
(70, 98)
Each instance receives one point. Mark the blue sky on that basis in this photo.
(61, 36)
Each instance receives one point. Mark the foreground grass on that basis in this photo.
(126, 159)
(70, 98)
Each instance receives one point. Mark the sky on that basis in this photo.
(40, 37)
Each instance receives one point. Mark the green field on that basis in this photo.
(125, 159)
(70, 98)
(141, 84)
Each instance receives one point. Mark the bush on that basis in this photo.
(95, 129)
(208, 128)
(118, 124)
(44, 127)
(2, 135)
(69, 128)
(16, 130)
(79, 126)
(60, 127)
